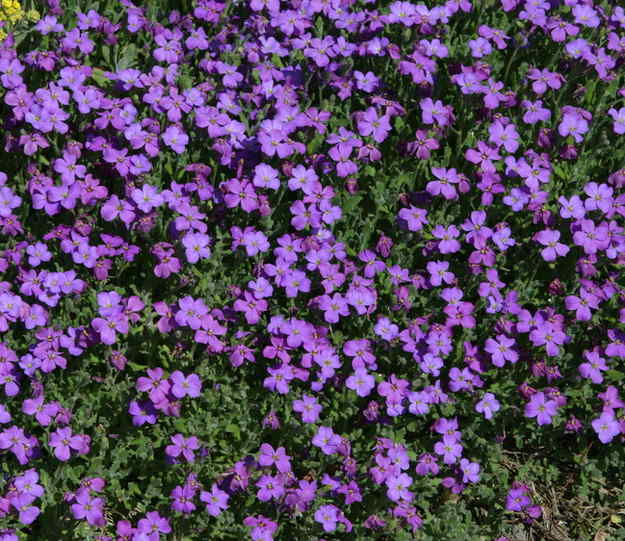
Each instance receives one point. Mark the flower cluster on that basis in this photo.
(304, 268)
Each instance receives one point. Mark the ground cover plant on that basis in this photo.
(312, 270)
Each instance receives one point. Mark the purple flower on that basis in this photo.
(517, 499)
(369, 123)
(183, 446)
(445, 184)
(606, 426)
(535, 112)
(152, 525)
(38, 253)
(448, 243)
(63, 441)
(449, 448)
(326, 440)
(278, 457)
(586, 15)
(574, 125)
(89, 508)
(593, 368)
(549, 336)
(147, 198)
(182, 497)
(470, 471)
(190, 312)
(385, 329)
(142, 412)
(488, 405)
(361, 382)
(308, 407)
(196, 246)
(175, 139)
(216, 500)
(270, 487)
(263, 528)
(541, 408)
(619, 120)
(327, 516)
(185, 385)
(413, 217)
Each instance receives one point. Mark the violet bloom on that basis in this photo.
(44, 413)
(606, 426)
(582, 305)
(397, 488)
(544, 79)
(142, 412)
(266, 176)
(385, 329)
(501, 350)
(38, 253)
(550, 336)
(326, 440)
(5, 416)
(574, 125)
(196, 246)
(278, 457)
(448, 243)
(327, 516)
(216, 500)
(270, 487)
(333, 307)
(541, 408)
(369, 123)
(504, 135)
(185, 385)
(593, 368)
(183, 446)
(470, 471)
(449, 448)
(572, 207)
(63, 441)
(445, 184)
(109, 327)
(175, 139)
(308, 407)
(190, 312)
(361, 382)
(535, 112)
(586, 15)
(147, 198)
(434, 112)
(182, 497)
(619, 120)
(89, 508)
(263, 528)
(153, 525)
(517, 499)
(414, 218)
(488, 405)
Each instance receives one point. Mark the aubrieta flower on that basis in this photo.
(308, 407)
(89, 508)
(541, 408)
(263, 528)
(182, 446)
(488, 405)
(216, 500)
(326, 440)
(606, 426)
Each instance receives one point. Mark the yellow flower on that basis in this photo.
(10, 10)
(33, 15)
